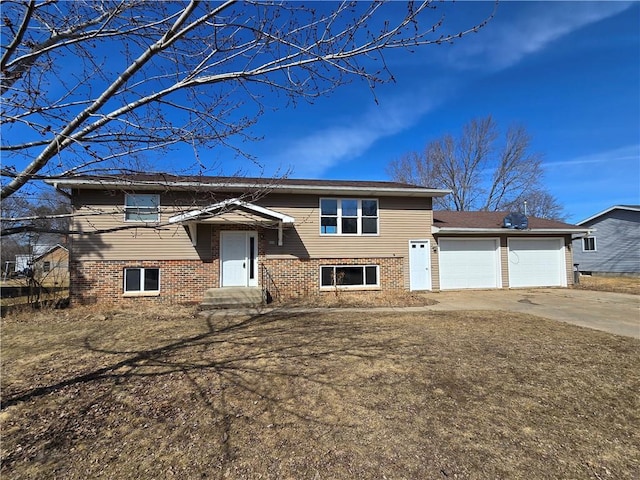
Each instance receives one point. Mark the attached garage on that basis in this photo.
(478, 251)
(469, 263)
(537, 262)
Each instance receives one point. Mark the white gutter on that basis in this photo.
(509, 231)
(299, 189)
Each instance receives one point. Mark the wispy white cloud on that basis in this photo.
(591, 183)
(531, 28)
(617, 158)
(314, 154)
(504, 43)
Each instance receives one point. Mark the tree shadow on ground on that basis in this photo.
(263, 369)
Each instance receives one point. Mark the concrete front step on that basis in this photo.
(230, 297)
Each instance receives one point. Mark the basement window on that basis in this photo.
(141, 281)
(349, 276)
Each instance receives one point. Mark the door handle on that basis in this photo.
(244, 264)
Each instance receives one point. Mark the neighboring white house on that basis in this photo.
(26, 260)
(613, 247)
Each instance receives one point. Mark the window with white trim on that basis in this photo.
(141, 280)
(349, 216)
(141, 207)
(349, 276)
(589, 244)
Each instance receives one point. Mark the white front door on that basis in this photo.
(419, 265)
(239, 259)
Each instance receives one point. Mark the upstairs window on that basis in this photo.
(589, 244)
(348, 216)
(141, 207)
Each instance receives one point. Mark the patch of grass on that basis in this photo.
(89, 393)
(610, 284)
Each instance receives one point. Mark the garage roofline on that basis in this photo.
(500, 231)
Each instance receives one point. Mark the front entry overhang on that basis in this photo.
(192, 218)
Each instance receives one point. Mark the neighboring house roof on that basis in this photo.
(491, 222)
(633, 208)
(49, 250)
(247, 184)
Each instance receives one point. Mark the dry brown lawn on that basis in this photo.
(438, 395)
(610, 284)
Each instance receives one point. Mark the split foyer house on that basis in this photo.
(173, 238)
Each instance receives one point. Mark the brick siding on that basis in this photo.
(185, 281)
(301, 277)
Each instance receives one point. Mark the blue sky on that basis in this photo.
(568, 71)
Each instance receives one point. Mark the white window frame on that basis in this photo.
(363, 286)
(588, 250)
(360, 217)
(141, 292)
(134, 210)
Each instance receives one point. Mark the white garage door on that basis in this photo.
(537, 262)
(466, 263)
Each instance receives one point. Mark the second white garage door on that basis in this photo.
(537, 262)
(469, 263)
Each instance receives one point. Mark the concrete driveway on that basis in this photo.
(617, 313)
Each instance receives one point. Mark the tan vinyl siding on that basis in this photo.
(169, 242)
(400, 220)
(568, 255)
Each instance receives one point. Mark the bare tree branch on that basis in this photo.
(147, 75)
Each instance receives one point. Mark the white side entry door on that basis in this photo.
(419, 265)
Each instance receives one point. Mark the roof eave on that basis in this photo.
(604, 212)
(233, 187)
(510, 231)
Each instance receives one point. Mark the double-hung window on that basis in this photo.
(142, 280)
(348, 216)
(349, 276)
(142, 207)
(589, 244)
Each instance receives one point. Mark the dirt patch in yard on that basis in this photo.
(610, 284)
(342, 299)
(134, 394)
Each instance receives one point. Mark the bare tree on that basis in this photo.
(47, 213)
(483, 171)
(89, 87)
